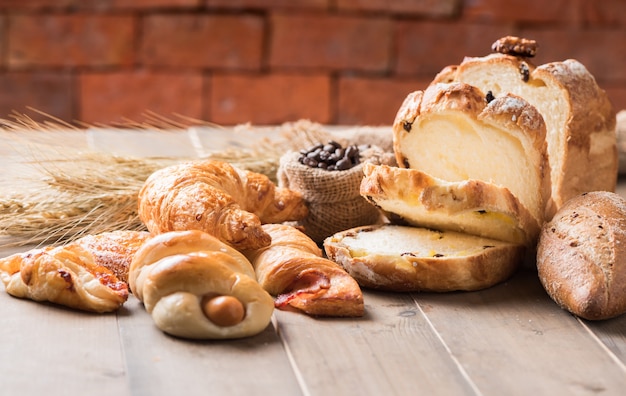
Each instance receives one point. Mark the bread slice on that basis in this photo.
(451, 131)
(411, 197)
(579, 118)
(401, 258)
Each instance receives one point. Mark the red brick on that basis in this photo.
(264, 4)
(426, 47)
(49, 92)
(406, 7)
(373, 101)
(36, 4)
(597, 49)
(225, 41)
(269, 99)
(605, 12)
(3, 25)
(336, 42)
(110, 97)
(70, 40)
(616, 92)
(40, 5)
(535, 11)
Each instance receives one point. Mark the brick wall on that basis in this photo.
(265, 62)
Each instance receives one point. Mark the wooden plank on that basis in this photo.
(392, 350)
(53, 351)
(612, 333)
(513, 339)
(159, 364)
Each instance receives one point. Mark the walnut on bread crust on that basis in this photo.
(516, 46)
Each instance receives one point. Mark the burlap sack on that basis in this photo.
(335, 203)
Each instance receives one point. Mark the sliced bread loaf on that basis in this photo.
(411, 197)
(400, 258)
(454, 132)
(579, 117)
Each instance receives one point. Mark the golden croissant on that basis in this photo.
(293, 269)
(196, 286)
(219, 199)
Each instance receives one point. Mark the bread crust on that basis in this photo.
(581, 256)
(398, 269)
(476, 207)
(583, 150)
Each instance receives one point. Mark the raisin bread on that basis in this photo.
(579, 118)
(409, 196)
(453, 132)
(400, 258)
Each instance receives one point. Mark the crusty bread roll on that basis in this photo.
(196, 286)
(581, 256)
(293, 269)
(452, 132)
(579, 117)
(401, 258)
(409, 196)
(217, 198)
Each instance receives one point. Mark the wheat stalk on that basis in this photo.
(83, 192)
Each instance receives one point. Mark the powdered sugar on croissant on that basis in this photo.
(218, 198)
(198, 287)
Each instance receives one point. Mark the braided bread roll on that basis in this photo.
(293, 269)
(219, 199)
(88, 274)
(196, 286)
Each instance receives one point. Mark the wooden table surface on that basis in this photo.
(510, 339)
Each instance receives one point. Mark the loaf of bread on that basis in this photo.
(581, 256)
(579, 118)
(455, 132)
(401, 258)
(409, 196)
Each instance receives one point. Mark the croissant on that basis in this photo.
(293, 269)
(219, 199)
(87, 274)
(196, 286)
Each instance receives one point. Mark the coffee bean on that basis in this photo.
(330, 156)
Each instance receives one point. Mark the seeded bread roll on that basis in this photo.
(454, 133)
(400, 258)
(581, 256)
(578, 114)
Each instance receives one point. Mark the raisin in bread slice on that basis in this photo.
(452, 132)
(401, 258)
(412, 197)
(579, 117)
